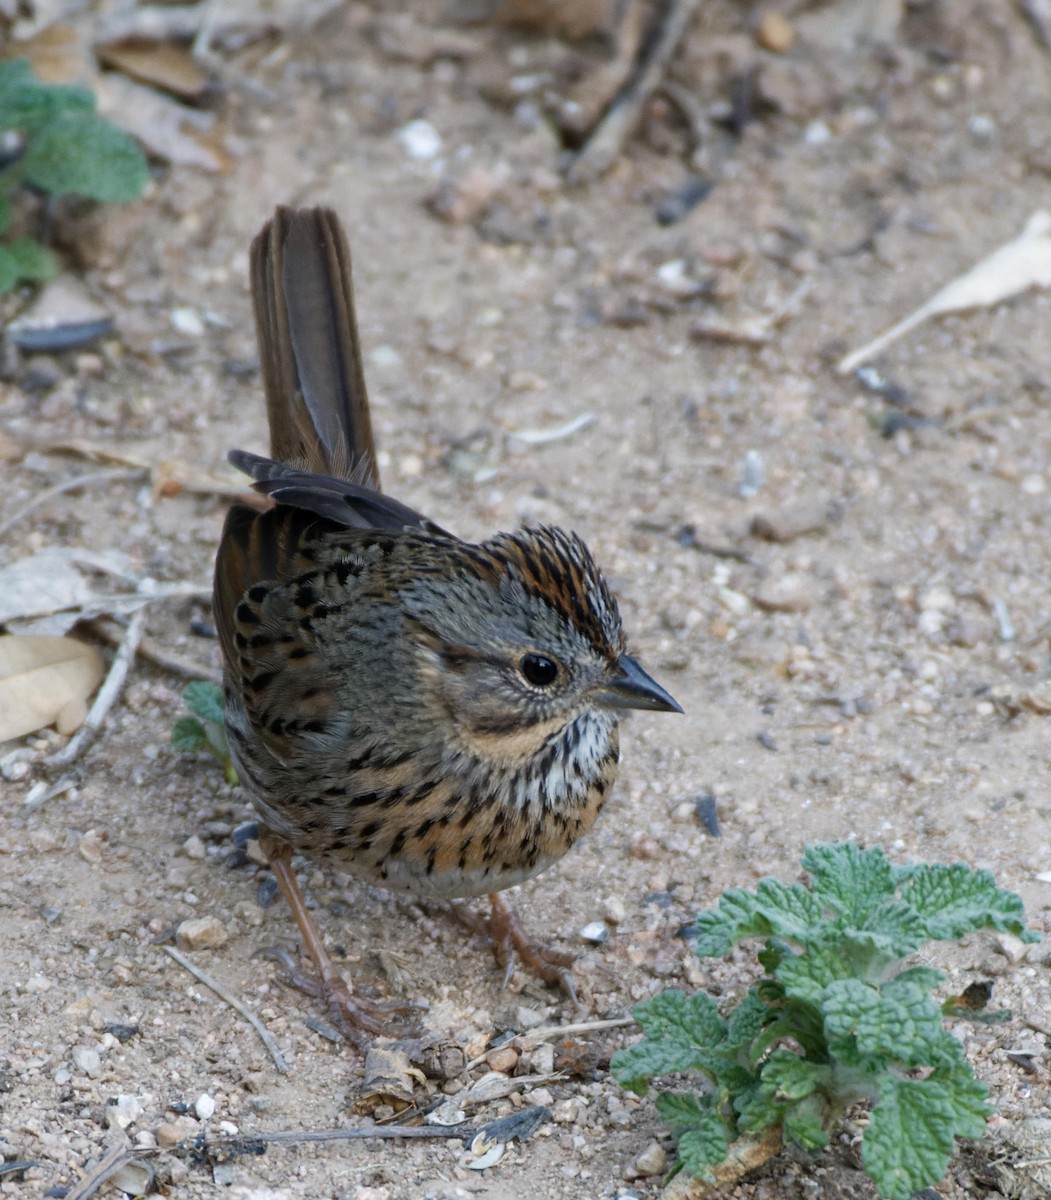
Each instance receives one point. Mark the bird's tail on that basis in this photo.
(317, 406)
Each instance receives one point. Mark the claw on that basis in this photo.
(358, 1020)
(510, 940)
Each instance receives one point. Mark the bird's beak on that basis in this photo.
(631, 687)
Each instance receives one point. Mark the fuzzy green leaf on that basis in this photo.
(774, 908)
(967, 1095)
(924, 977)
(909, 1141)
(790, 1077)
(896, 927)
(683, 1110)
(27, 104)
(804, 1123)
(736, 916)
(205, 700)
(758, 1109)
(188, 735)
(79, 153)
(746, 1021)
(789, 1084)
(24, 261)
(849, 880)
(805, 976)
(706, 1144)
(899, 1021)
(682, 1033)
(954, 899)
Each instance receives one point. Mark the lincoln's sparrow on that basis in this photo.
(437, 715)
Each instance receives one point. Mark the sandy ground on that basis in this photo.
(882, 675)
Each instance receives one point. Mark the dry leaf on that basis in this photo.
(164, 65)
(58, 55)
(390, 1078)
(168, 476)
(52, 581)
(158, 122)
(1016, 267)
(45, 681)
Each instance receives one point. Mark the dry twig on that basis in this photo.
(152, 650)
(111, 689)
(114, 475)
(229, 998)
(605, 143)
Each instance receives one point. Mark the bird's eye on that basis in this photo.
(538, 669)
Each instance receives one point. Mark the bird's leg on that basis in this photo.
(356, 1019)
(508, 935)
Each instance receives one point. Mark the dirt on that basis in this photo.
(879, 675)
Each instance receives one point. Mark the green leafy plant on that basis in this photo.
(838, 1018)
(53, 140)
(205, 730)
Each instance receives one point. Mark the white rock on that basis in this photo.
(187, 321)
(92, 845)
(122, 1111)
(205, 1107)
(201, 933)
(651, 1161)
(88, 1060)
(420, 140)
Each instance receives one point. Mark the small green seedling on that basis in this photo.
(205, 730)
(838, 1018)
(53, 140)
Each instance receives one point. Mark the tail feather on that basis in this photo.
(317, 405)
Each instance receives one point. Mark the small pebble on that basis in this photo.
(614, 910)
(122, 1110)
(683, 200)
(205, 1107)
(88, 1060)
(460, 200)
(194, 847)
(791, 593)
(528, 1018)
(644, 846)
(42, 840)
(595, 932)
(774, 32)
(1011, 947)
(752, 475)
(420, 140)
(675, 278)
(201, 933)
(14, 770)
(168, 1133)
(187, 321)
(791, 522)
(503, 1058)
(266, 892)
(651, 1160)
(542, 1059)
(708, 814)
(92, 845)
